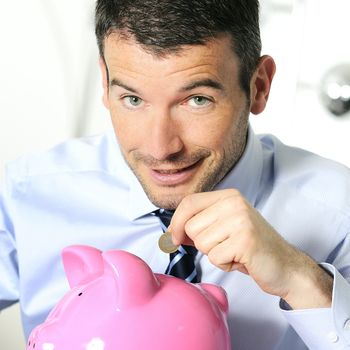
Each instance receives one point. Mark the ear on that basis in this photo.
(218, 294)
(81, 264)
(135, 282)
(104, 72)
(260, 84)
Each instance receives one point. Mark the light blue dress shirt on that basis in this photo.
(82, 192)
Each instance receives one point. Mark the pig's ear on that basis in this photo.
(81, 264)
(134, 280)
(219, 295)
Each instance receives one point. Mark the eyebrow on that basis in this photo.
(117, 82)
(192, 85)
(203, 83)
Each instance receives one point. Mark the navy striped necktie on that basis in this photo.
(181, 263)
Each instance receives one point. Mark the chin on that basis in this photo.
(166, 197)
(166, 201)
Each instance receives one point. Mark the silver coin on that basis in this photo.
(166, 244)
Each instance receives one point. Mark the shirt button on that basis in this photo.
(347, 325)
(332, 337)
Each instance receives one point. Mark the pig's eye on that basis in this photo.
(80, 294)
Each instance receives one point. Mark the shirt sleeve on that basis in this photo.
(9, 293)
(326, 328)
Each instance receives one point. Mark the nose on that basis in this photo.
(164, 135)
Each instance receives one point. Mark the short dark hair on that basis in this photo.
(164, 26)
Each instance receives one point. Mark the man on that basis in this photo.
(271, 223)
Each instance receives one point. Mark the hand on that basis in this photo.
(234, 236)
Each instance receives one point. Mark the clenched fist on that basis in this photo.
(234, 236)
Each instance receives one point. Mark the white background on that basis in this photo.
(50, 86)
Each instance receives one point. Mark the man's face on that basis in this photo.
(180, 120)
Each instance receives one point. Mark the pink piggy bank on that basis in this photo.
(117, 303)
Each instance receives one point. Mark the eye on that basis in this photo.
(199, 101)
(132, 101)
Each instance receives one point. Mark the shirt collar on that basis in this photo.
(138, 204)
(245, 177)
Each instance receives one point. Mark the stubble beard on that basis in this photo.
(212, 174)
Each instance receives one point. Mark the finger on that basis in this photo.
(192, 205)
(239, 267)
(185, 241)
(200, 223)
(213, 235)
(227, 256)
(224, 212)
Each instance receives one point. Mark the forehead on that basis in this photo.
(216, 58)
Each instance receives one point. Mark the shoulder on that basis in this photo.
(311, 176)
(97, 153)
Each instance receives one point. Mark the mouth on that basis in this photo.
(174, 176)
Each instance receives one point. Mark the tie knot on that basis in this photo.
(182, 262)
(190, 250)
(164, 215)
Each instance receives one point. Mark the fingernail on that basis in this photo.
(175, 241)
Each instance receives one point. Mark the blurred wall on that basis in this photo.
(307, 38)
(50, 90)
(50, 84)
